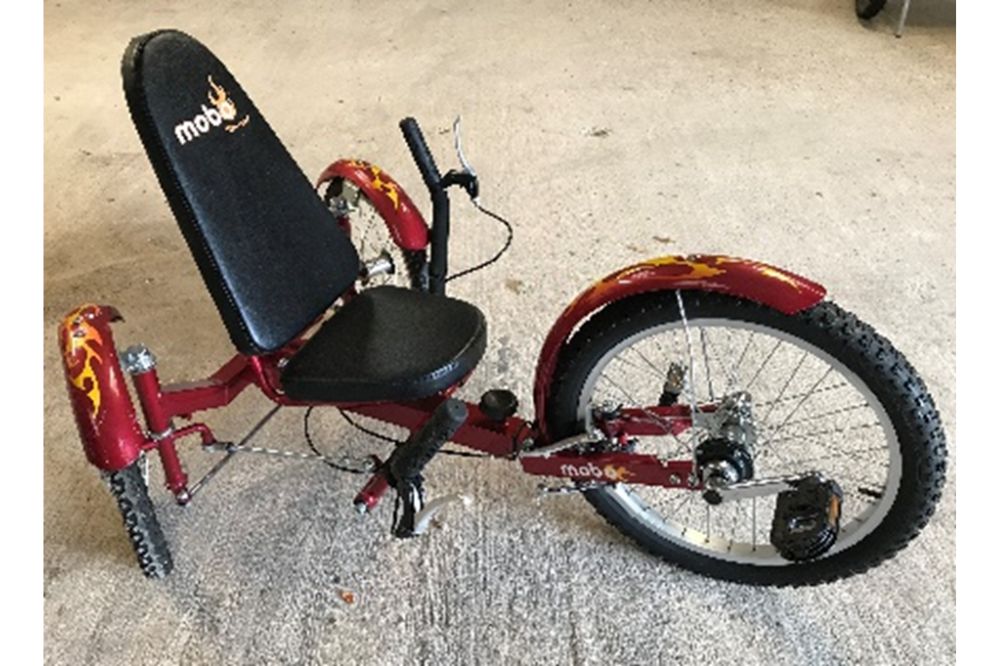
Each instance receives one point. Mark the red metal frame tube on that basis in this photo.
(616, 467)
(219, 390)
(158, 421)
(368, 497)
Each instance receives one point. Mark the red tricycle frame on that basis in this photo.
(113, 438)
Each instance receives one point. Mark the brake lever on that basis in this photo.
(456, 129)
(467, 178)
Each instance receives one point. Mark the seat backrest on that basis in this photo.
(271, 254)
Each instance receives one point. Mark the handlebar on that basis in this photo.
(438, 269)
(421, 153)
(438, 186)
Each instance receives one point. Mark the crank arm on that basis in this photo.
(757, 487)
(563, 444)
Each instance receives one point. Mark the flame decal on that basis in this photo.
(386, 186)
(778, 275)
(225, 106)
(612, 473)
(381, 182)
(698, 268)
(80, 334)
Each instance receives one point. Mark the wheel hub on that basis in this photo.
(726, 457)
(722, 462)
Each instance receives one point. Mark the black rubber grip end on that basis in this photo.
(407, 461)
(421, 153)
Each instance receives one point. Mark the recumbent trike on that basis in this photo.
(718, 411)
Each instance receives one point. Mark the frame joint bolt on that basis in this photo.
(137, 359)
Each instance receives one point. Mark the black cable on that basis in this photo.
(376, 435)
(496, 257)
(463, 454)
(312, 445)
(385, 438)
(371, 433)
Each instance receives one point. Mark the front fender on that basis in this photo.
(752, 280)
(406, 224)
(112, 439)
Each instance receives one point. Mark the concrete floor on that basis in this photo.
(782, 130)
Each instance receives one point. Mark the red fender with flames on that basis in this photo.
(406, 224)
(105, 417)
(752, 280)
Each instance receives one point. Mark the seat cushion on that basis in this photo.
(271, 254)
(386, 344)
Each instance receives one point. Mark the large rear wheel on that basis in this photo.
(827, 394)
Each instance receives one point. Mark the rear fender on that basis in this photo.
(406, 224)
(752, 280)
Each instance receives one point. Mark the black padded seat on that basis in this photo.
(388, 344)
(271, 254)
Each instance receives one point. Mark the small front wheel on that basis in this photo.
(819, 393)
(130, 492)
(369, 231)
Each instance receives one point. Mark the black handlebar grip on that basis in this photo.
(407, 461)
(421, 153)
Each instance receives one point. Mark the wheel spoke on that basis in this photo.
(659, 372)
(802, 401)
(789, 398)
(743, 355)
(708, 371)
(732, 381)
(767, 360)
(842, 410)
(788, 382)
(838, 454)
(817, 433)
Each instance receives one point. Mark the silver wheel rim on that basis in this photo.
(370, 234)
(755, 551)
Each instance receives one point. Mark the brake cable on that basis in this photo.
(496, 257)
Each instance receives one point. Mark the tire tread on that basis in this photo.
(139, 517)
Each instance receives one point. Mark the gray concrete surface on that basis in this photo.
(775, 129)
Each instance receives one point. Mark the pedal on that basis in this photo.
(807, 519)
(498, 404)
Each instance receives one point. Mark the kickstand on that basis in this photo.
(902, 18)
